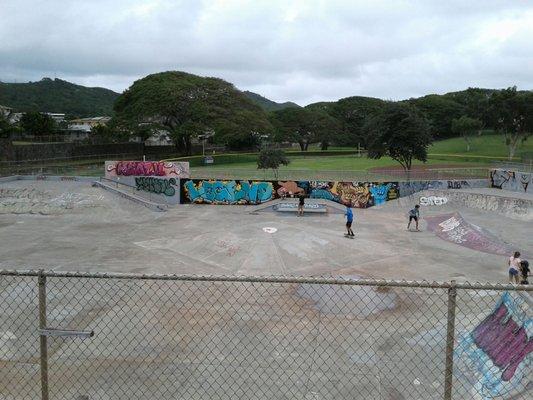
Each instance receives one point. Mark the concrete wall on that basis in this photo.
(514, 181)
(408, 188)
(355, 194)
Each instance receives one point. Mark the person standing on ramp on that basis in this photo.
(349, 221)
(414, 214)
(301, 204)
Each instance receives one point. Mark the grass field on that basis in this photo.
(484, 150)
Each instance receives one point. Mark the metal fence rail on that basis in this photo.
(346, 175)
(123, 336)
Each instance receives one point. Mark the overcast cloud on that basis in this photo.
(301, 50)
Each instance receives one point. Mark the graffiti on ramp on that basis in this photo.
(454, 228)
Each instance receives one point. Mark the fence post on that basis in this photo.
(450, 338)
(43, 338)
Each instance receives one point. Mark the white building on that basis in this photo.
(80, 128)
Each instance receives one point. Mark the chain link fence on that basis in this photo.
(341, 175)
(119, 336)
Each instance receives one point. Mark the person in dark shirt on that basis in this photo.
(524, 271)
(301, 204)
(414, 214)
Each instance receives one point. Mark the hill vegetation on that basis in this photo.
(266, 104)
(57, 96)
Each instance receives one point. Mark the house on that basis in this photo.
(80, 128)
(57, 117)
(11, 116)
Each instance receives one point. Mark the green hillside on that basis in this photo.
(266, 104)
(58, 96)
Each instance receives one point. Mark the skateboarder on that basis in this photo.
(414, 214)
(524, 269)
(301, 204)
(514, 267)
(349, 221)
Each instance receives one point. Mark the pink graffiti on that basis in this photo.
(140, 168)
(500, 337)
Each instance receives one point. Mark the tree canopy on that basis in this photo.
(187, 105)
(38, 124)
(511, 112)
(399, 131)
(272, 159)
(304, 126)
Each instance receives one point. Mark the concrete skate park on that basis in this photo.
(71, 225)
(190, 339)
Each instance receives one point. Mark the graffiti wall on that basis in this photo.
(355, 194)
(115, 169)
(408, 188)
(515, 181)
(495, 357)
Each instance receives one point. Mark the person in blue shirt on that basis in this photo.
(349, 220)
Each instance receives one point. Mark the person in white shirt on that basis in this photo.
(514, 268)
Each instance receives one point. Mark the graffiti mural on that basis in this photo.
(433, 201)
(227, 192)
(496, 355)
(146, 168)
(408, 188)
(355, 194)
(511, 180)
(156, 185)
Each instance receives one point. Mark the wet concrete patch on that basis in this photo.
(356, 301)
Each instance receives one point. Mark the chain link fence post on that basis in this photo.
(450, 338)
(43, 338)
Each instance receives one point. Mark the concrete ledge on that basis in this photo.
(53, 178)
(139, 200)
(293, 207)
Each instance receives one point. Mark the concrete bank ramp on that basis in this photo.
(513, 205)
(453, 228)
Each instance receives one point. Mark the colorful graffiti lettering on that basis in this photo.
(146, 168)
(380, 193)
(155, 185)
(228, 192)
(496, 355)
(289, 188)
(506, 344)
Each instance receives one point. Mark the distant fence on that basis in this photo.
(126, 336)
(341, 175)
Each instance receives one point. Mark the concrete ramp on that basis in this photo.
(454, 228)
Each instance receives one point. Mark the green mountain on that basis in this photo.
(266, 104)
(58, 96)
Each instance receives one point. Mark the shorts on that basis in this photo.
(411, 217)
(513, 272)
(349, 224)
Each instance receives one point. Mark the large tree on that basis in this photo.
(399, 131)
(440, 111)
(466, 127)
(304, 126)
(353, 112)
(272, 159)
(38, 124)
(512, 115)
(187, 105)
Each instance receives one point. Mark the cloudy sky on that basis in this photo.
(300, 50)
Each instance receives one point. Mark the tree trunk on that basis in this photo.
(324, 145)
(513, 143)
(306, 145)
(302, 146)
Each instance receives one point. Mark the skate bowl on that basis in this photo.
(516, 206)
